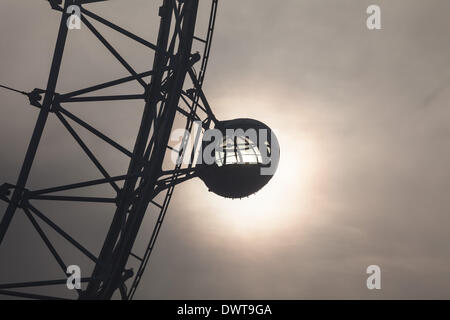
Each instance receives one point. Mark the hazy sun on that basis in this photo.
(277, 204)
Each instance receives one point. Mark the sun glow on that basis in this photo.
(288, 201)
(278, 203)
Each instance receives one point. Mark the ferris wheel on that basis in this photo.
(173, 91)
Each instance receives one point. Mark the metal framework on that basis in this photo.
(174, 89)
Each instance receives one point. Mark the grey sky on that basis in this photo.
(363, 124)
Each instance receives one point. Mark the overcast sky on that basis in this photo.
(361, 116)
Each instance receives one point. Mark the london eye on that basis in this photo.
(171, 92)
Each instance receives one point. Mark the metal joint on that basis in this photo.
(54, 105)
(35, 97)
(5, 191)
(55, 4)
(164, 11)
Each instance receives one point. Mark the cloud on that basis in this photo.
(363, 116)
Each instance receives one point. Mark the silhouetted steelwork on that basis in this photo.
(175, 89)
(141, 183)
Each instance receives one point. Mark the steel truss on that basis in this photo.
(165, 96)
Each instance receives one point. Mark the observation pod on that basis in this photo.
(245, 155)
